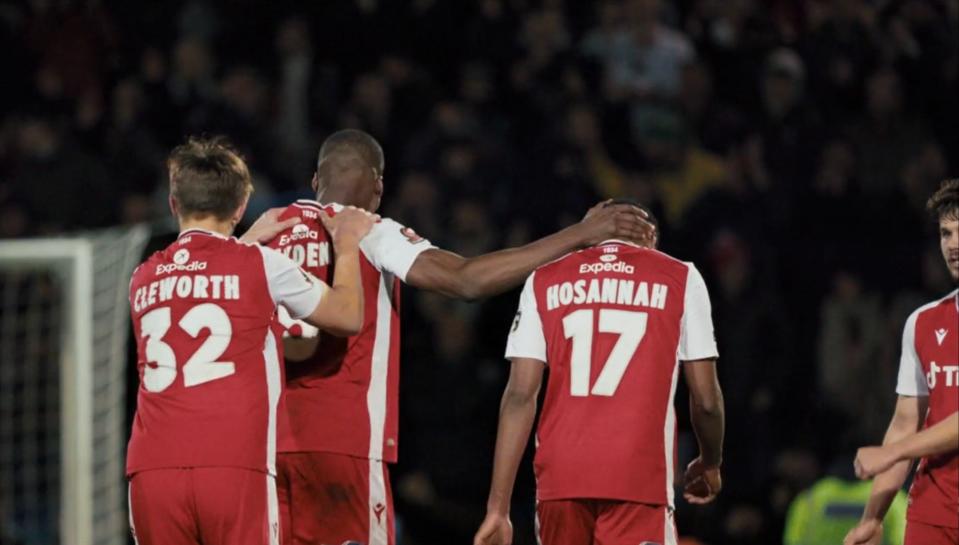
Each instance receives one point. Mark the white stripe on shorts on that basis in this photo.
(379, 515)
(670, 528)
(272, 510)
(133, 530)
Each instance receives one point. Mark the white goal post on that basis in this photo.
(82, 286)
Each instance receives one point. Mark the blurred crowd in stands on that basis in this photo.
(787, 146)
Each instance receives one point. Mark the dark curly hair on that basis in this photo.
(944, 203)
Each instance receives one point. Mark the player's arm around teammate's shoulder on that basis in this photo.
(939, 439)
(516, 415)
(489, 274)
(340, 311)
(268, 226)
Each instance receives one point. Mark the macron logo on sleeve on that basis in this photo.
(941, 335)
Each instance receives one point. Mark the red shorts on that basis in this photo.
(603, 522)
(204, 505)
(328, 498)
(918, 533)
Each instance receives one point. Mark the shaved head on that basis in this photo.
(357, 141)
(349, 170)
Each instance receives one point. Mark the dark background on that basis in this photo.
(787, 146)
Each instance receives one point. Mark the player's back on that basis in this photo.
(207, 355)
(613, 322)
(344, 398)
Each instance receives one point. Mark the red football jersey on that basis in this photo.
(930, 367)
(210, 379)
(345, 398)
(612, 322)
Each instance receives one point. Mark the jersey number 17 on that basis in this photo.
(578, 326)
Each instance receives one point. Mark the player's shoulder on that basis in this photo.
(308, 211)
(389, 231)
(932, 306)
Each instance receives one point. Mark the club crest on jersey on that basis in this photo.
(941, 335)
(411, 235)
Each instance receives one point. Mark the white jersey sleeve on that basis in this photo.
(526, 337)
(912, 381)
(696, 340)
(290, 286)
(393, 248)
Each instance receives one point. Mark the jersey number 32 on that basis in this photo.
(202, 365)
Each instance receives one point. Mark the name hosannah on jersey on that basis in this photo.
(607, 290)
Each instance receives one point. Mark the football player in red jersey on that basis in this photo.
(614, 323)
(201, 458)
(928, 389)
(339, 429)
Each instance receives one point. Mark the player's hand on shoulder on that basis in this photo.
(349, 225)
(268, 226)
(867, 532)
(495, 530)
(871, 461)
(607, 221)
(701, 484)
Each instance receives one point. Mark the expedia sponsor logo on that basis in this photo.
(596, 268)
(299, 232)
(189, 267)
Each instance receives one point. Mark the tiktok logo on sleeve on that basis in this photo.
(951, 373)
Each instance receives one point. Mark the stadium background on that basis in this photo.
(788, 147)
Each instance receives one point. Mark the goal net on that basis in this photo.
(64, 322)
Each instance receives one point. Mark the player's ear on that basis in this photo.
(315, 182)
(377, 184)
(172, 202)
(238, 215)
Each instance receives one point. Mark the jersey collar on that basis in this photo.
(198, 231)
(618, 241)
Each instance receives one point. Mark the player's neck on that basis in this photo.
(332, 196)
(212, 224)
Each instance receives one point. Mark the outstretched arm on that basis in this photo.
(939, 439)
(489, 274)
(516, 415)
